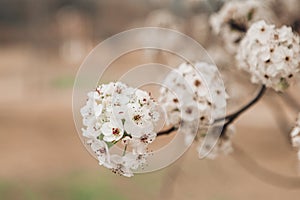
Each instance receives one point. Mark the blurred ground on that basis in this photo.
(42, 156)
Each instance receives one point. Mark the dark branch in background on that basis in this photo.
(234, 25)
(235, 115)
(167, 132)
(229, 118)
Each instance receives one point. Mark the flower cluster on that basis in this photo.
(295, 136)
(233, 20)
(271, 55)
(193, 97)
(115, 113)
(189, 92)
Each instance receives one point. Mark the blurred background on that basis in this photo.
(43, 43)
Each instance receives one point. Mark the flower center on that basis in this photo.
(189, 111)
(102, 150)
(115, 131)
(137, 117)
(144, 139)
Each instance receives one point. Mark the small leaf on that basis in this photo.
(283, 84)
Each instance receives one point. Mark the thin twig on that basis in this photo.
(235, 115)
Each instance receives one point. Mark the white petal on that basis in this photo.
(106, 129)
(109, 138)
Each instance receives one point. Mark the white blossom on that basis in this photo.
(123, 165)
(235, 17)
(295, 136)
(120, 165)
(101, 150)
(193, 92)
(140, 143)
(111, 131)
(193, 98)
(116, 113)
(271, 55)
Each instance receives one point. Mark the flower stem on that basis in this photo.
(125, 148)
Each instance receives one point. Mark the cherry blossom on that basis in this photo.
(116, 113)
(193, 98)
(271, 55)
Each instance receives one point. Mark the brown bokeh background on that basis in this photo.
(43, 43)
